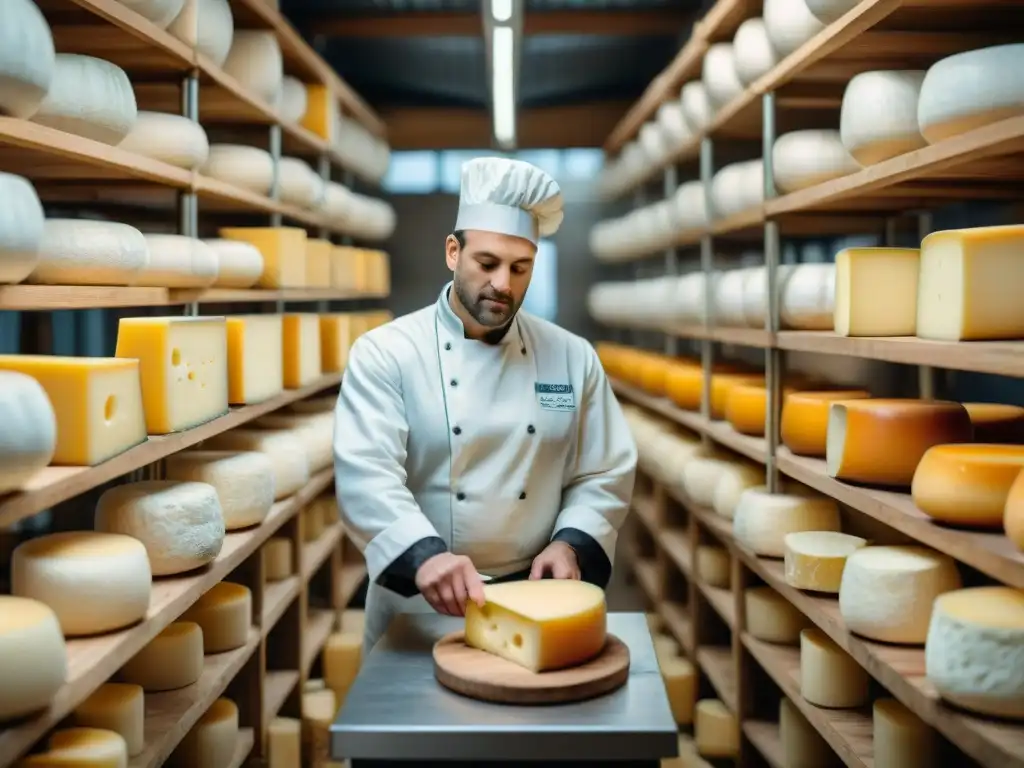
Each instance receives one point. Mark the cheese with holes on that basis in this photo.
(277, 558)
(815, 560)
(763, 519)
(283, 249)
(256, 62)
(239, 264)
(207, 26)
(255, 358)
(322, 115)
(298, 184)
(1013, 515)
(244, 482)
(117, 707)
(716, 729)
(540, 625)
(171, 660)
(804, 423)
(301, 349)
(33, 657)
(337, 334)
(700, 476)
(292, 102)
(95, 582)
(211, 742)
(996, 422)
(340, 660)
(284, 743)
(877, 291)
(887, 593)
(284, 447)
(802, 745)
(680, 678)
(714, 566)
(967, 484)
(318, 263)
(974, 655)
(180, 523)
(318, 711)
(966, 284)
(901, 739)
(249, 168)
(83, 252)
(26, 58)
(183, 365)
(80, 748)
(29, 437)
(172, 139)
(881, 441)
(224, 614)
(772, 618)
(176, 261)
(829, 677)
(88, 97)
(315, 430)
(97, 402)
(160, 12)
(21, 219)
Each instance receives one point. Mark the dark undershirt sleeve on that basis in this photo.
(595, 567)
(400, 576)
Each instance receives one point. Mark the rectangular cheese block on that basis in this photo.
(346, 271)
(284, 253)
(97, 402)
(301, 349)
(876, 291)
(284, 743)
(255, 358)
(378, 277)
(318, 263)
(183, 364)
(970, 282)
(323, 115)
(337, 333)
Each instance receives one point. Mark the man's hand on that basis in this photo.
(557, 559)
(447, 581)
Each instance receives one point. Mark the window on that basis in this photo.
(581, 164)
(412, 173)
(542, 298)
(546, 159)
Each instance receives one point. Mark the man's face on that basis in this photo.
(492, 273)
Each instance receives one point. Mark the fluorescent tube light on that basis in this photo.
(501, 10)
(503, 92)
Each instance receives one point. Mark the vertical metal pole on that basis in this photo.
(707, 266)
(773, 355)
(671, 257)
(188, 203)
(925, 373)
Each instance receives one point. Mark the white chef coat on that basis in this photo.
(494, 448)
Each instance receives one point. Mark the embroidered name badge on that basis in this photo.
(555, 397)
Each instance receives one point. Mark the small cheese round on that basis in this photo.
(808, 297)
(239, 264)
(224, 614)
(171, 660)
(829, 677)
(815, 560)
(723, 383)
(772, 618)
(683, 385)
(244, 482)
(716, 729)
(1013, 516)
(881, 441)
(277, 558)
(180, 523)
(172, 139)
(746, 408)
(26, 58)
(33, 656)
(719, 74)
(211, 742)
(714, 566)
(789, 24)
(176, 261)
(901, 739)
(878, 119)
(21, 225)
(256, 62)
(208, 26)
(732, 482)
(81, 748)
(802, 745)
(700, 476)
(763, 519)
(803, 159)
(250, 168)
(665, 647)
(974, 655)
(293, 101)
(315, 430)
(968, 483)
(312, 524)
(680, 679)
(804, 422)
(298, 184)
(830, 10)
(996, 422)
(94, 582)
(160, 12)
(696, 105)
(886, 593)
(118, 707)
(753, 51)
(29, 437)
(84, 252)
(340, 659)
(285, 449)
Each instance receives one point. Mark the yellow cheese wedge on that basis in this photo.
(255, 358)
(876, 291)
(967, 484)
(284, 253)
(804, 422)
(996, 422)
(378, 273)
(301, 349)
(318, 263)
(322, 113)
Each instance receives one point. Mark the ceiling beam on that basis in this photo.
(577, 125)
(461, 24)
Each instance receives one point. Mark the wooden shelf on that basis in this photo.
(315, 553)
(766, 739)
(277, 596)
(319, 625)
(277, 687)
(718, 665)
(243, 748)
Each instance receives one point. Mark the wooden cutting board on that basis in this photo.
(482, 675)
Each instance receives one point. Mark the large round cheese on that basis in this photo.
(829, 677)
(722, 385)
(803, 159)
(802, 745)
(878, 119)
(285, 449)
(176, 261)
(804, 422)
(94, 582)
(29, 436)
(901, 739)
(746, 408)
(789, 24)
(830, 10)
(81, 748)
(772, 618)
(33, 657)
(21, 227)
(239, 264)
(672, 121)
(721, 82)
(171, 660)
(315, 429)
(224, 614)
(117, 707)
(996, 422)
(1013, 516)
(160, 12)
(696, 105)
(250, 168)
(714, 566)
(971, 89)
(716, 730)
(84, 252)
(26, 58)
(974, 655)
(752, 50)
(293, 101)
(732, 481)
(807, 298)
(244, 482)
(815, 560)
(298, 184)
(729, 297)
(763, 519)
(212, 741)
(700, 476)
(881, 441)
(88, 97)
(255, 61)
(208, 26)
(967, 484)
(171, 139)
(180, 523)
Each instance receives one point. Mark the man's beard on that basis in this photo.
(487, 314)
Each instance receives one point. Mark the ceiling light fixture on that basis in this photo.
(501, 10)
(503, 92)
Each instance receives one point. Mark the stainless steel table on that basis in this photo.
(397, 714)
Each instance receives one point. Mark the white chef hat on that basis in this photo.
(509, 197)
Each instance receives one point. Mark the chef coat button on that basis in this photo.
(460, 496)
(447, 345)
(522, 495)
(530, 429)
(454, 382)
(522, 350)
(457, 430)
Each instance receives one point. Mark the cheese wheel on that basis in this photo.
(88, 97)
(877, 291)
(250, 168)
(802, 159)
(26, 58)
(746, 408)
(293, 101)
(886, 593)
(721, 82)
(696, 105)
(665, 647)
(772, 618)
(29, 437)
(160, 12)
(1013, 516)
(277, 558)
(715, 729)
(802, 745)
(21, 225)
(256, 62)
(298, 184)
(84, 252)
(208, 26)
(285, 449)
(996, 423)
(176, 261)
(714, 566)
(722, 385)
(244, 482)
(731, 483)
(340, 659)
(878, 119)
(829, 677)
(974, 655)
(316, 431)
(680, 679)
(172, 139)
(815, 560)
(700, 476)
(967, 484)
(181, 524)
(762, 519)
(753, 51)
(171, 660)
(683, 386)
(117, 707)
(284, 743)
(85, 747)
(789, 24)
(828, 11)
(94, 582)
(901, 739)
(318, 711)
(33, 657)
(224, 614)
(881, 441)
(239, 264)
(212, 741)
(807, 297)
(804, 423)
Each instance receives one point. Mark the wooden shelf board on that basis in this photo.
(766, 739)
(722, 601)
(352, 575)
(677, 619)
(277, 686)
(277, 596)
(319, 625)
(676, 545)
(643, 507)
(243, 747)
(315, 553)
(647, 575)
(717, 663)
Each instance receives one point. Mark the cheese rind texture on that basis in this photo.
(224, 614)
(680, 678)
(171, 660)
(180, 523)
(255, 358)
(887, 593)
(974, 655)
(21, 222)
(967, 484)
(88, 97)
(172, 139)
(815, 560)
(715, 729)
(284, 447)
(901, 739)
(211, 742)
(772, 618)
(26, 58)
(83, 252)
(29, 437)
(33, 656)
(94, 582)
(829, 677)
(876, 291)
(540, 625)
(802, 745)
(244, 482)
(118, 707)
(763, 519)
(80, 748)
(881, 441)
(804, 423)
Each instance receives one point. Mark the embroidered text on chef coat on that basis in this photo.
(555, 397)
